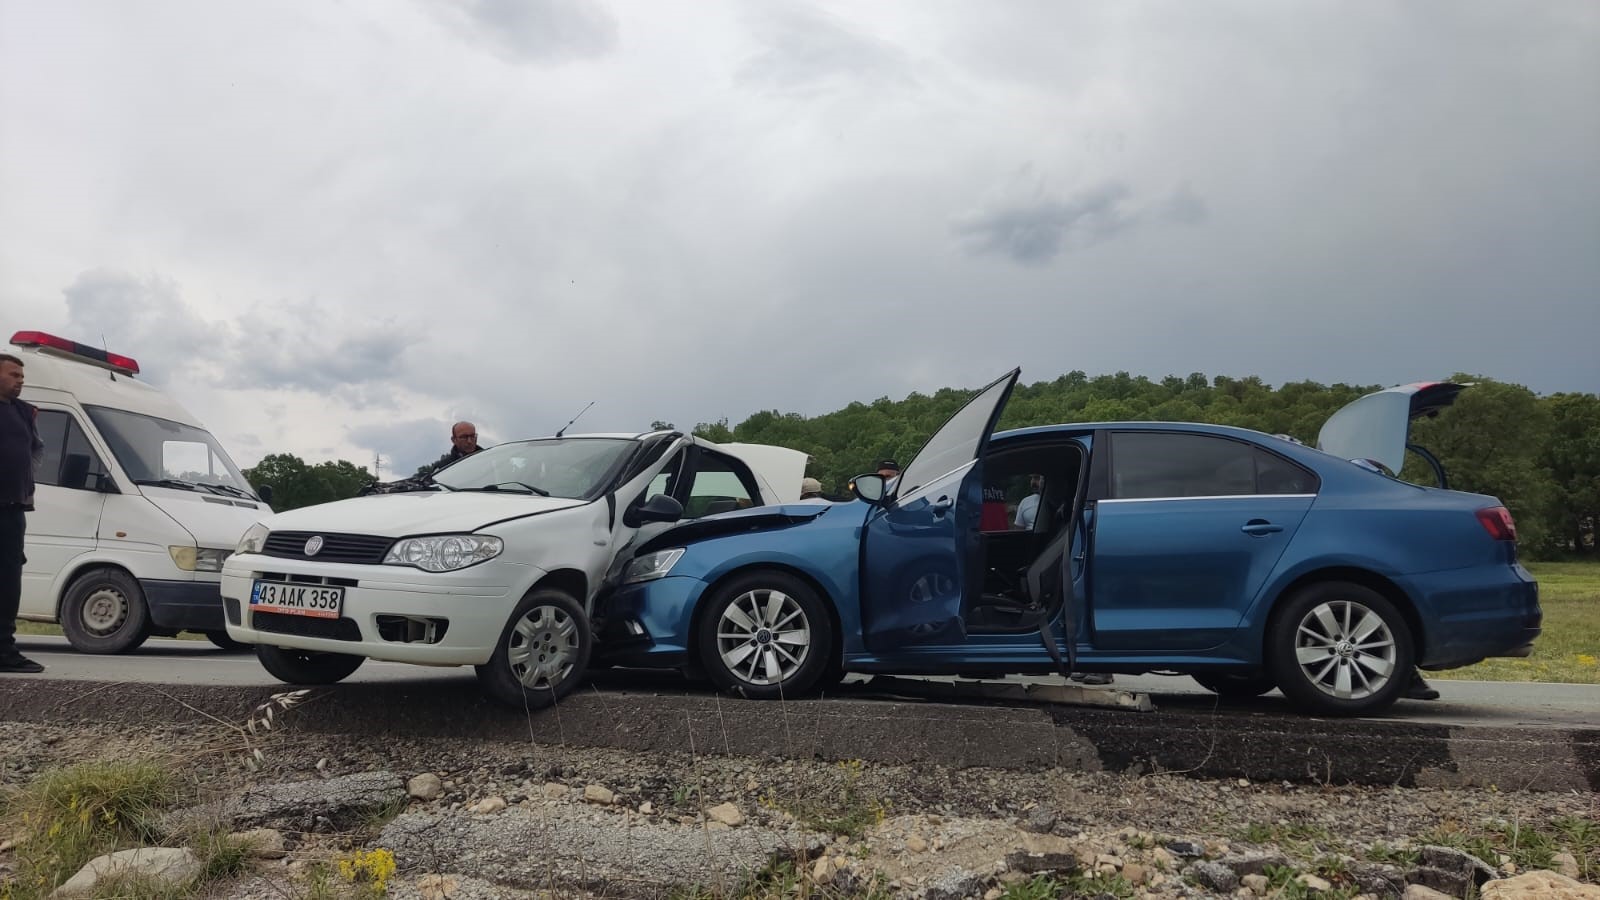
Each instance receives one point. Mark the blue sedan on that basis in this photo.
(1249, 561)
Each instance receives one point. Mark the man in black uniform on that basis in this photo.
(20, 451)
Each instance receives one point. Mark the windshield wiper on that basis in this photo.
(232, 490)
(169, 482)
(497, 486)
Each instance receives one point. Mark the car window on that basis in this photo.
(69, 461)
(717, 488)
(1165, 464)
(1276, 475)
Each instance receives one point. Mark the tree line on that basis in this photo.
(1538, 454)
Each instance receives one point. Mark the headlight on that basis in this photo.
(254, 539)
(197, 559)
(651, 566)
(444, 552)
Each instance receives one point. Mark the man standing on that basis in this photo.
(20, 451)
(463, 442)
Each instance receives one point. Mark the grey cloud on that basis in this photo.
(140, 317)
(1185, 207)
(806, 49)
(521, 31)
(1036, 231)
(404, 445)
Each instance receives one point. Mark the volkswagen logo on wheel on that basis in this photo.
(314, 546)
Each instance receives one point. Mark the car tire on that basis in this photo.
(1339, 649)
(293, 666)
(741, 650)
(1236, 687)
(104, 611)
(542, 654)
(221, 639)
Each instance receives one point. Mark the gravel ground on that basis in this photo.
(528, 820)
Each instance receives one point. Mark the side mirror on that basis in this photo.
(869, 488)
(105, 484)
(659, 508)
(264, 491)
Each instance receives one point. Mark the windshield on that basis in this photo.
(153, 450)
(559, 467)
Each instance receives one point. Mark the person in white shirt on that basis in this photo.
(1028, 509)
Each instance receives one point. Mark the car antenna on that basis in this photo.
(574, 419)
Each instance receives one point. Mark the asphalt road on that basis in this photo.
(165, 661)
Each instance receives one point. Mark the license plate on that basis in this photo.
(313, 600)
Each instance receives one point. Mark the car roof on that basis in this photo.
(1083, 427)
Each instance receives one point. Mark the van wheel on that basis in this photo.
(104, 612)
(1339, 649)
(306, 666)
(542, 654)
(767, 636)
(221, 639)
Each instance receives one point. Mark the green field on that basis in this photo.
(1567, 651)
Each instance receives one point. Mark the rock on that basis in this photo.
(1244, 864)
(916, 844)
(1446, 882)
(1040, 820)
(1106, 859)
(955, 884)
(167, 867)
(1314, 883)
(1378, 878)
(1043, 853)
(331, 804)
(994, 894)
(1257, 884)
(554, 791)
(727, 814)
(1164, 858)
(1457, 862)
(598, 794)
(647, 808)
(488, 805)
(1542, 884)
(718, 826)
(438, 887)
(1135, 874)
(1422, 892)
(1565, 864)
(261, 843)
(425, 787)
(1186, 849)
(822, 871)
(1214, 876)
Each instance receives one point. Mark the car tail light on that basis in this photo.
(127, 365)
(1497, 521)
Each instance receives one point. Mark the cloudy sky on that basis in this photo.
(331, 227)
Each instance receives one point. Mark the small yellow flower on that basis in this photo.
(1585, 659)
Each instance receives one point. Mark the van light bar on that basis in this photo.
(124, 364)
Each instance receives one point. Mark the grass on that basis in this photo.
(46, 628)
(1528, 846)
(850, 812)
(1568, 650)
(66, 817)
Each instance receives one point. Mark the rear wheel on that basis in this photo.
(1236, 687)
(1340, 649)
(104, 612)
(766, 635)
(307, 666)
(543, 652)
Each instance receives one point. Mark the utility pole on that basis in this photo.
(377, 465)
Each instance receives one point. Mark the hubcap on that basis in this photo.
(104, 611)
(1346, 650)
(543, 647)
(763, 636)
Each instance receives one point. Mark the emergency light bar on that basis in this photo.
(127, 365)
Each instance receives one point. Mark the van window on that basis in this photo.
(69, 461)
(152, 449)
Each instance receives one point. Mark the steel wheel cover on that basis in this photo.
(543, 647)
(104, 611)
(763, 636)
(1345, 650)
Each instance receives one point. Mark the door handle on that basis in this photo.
(1260, 528)
(942, 506)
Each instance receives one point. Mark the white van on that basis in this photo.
(136, 506)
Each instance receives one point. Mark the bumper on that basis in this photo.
(650, 625)
(1474, 614)
(386, 610)
(184, 605)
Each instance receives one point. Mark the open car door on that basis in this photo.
(920, 546)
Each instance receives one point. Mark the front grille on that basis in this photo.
(361, 549)
(306, 626)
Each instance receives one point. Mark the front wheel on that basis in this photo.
(104, 612)
(766, 635)
(307, 666)
(543, 652)
(1340, 649)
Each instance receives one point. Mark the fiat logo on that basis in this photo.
(314, 546)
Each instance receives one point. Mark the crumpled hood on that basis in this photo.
(758, 518)
(417, 512)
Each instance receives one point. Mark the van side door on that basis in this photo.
(68, 503)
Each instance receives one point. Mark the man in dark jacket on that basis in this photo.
(20, 452)
(463, 442)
